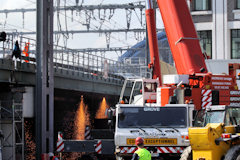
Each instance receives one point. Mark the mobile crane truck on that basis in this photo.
(192, 84)
(165, 128)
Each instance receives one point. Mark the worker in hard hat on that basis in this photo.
(141, 153)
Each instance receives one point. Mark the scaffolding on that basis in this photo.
(12, 126)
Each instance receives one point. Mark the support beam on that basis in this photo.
(79, 8)
(44, 87)
(92, 31)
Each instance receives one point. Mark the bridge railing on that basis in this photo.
(71, 59)
(75, 60)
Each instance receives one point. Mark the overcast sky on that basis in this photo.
(74, 21)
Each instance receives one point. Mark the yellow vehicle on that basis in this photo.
(217, 136)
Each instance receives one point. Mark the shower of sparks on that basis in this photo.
(30, 145)
(81, 120)
(101, 113)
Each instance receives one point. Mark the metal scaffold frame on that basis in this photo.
(13, 141)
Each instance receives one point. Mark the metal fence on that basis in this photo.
(70, 59)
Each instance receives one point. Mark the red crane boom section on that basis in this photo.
(153, 43)
(182, 37)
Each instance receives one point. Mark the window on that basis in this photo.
(136, 94)
(235, 39)
(202, 5)
(237, 4)
(206, 42)
(145, 117)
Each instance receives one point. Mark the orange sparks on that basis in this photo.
(81, 120)
(101, 113)
(30, 145)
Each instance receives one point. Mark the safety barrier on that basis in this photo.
(72, 59)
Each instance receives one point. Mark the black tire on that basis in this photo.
(187, 154)
(233, 153)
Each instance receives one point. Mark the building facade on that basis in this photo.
(218, 25)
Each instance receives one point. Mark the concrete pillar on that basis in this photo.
(220, 29)
(28, 102)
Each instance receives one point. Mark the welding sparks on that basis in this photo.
(30, 147)
(101, 113)
(81, 120)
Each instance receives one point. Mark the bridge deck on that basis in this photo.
(78, 79)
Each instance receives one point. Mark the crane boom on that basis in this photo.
(152, 40)
(182, 37)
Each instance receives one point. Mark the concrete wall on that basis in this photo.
(28, 102)
(219, 66)
(201, 18)
(219, 29)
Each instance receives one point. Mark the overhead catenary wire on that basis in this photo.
(97, 27)
(22, 10)
(92, 25)
(101, 23)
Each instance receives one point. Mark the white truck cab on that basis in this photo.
(164, 129)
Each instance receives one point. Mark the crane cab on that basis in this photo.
(143, 91)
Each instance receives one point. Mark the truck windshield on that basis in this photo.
(203, 118)
(137, 117)
(215, 117)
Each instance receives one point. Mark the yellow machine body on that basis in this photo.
(202, 140)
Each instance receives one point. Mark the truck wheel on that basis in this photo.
(187, 154)
(233, 153)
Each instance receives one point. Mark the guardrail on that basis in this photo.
(70, 59)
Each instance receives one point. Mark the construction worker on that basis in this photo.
(16, 51)
(141, 153)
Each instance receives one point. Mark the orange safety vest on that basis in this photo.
(25, 51)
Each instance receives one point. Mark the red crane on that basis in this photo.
(188, 57)
(152, 40)
(182, 37)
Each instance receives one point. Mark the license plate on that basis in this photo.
(154, 141)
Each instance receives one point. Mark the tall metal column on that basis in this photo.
(45, 86)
